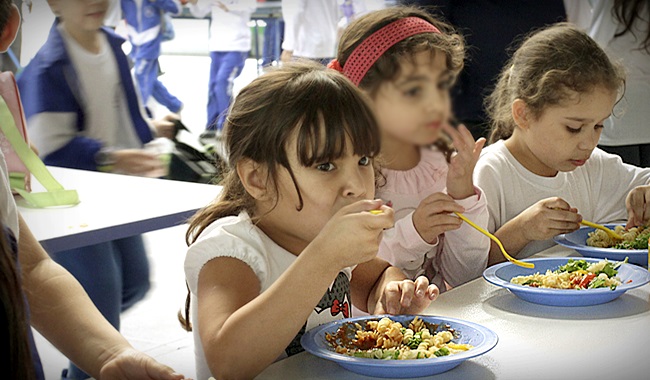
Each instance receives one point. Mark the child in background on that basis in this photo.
(229, 45)
(406, 61)
(143, 24)
(83, 112)
(542, 172)
(310, 29)
(291, 240)
(37, 291)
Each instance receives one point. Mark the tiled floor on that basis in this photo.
(152, 325)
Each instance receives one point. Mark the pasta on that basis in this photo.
(576, 274)
(634, 238)
(387, 339)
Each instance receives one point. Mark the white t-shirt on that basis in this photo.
(239, 238)
(310, 28)
(8, 210)
(107, 117)
(113, 14)
(630, 123)
(229, 30)
(598, 189)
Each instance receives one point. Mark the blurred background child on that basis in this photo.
(144, 21)
(542, 172)
(229, 45)
(310, 29)
(406, 61)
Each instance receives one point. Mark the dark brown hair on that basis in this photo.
(387, 67)
(17, 357)
(547, 69)
(627, 12)
(303, 97)
(5, 12)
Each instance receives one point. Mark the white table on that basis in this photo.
(609, 341)
(112, 206)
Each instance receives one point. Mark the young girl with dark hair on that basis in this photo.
(291, 241)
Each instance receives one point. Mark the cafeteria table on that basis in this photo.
(112, 206)
(606, 341)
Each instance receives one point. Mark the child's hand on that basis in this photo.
(407, 296)
(353, 234)
(461, 167)
(165, 126)
(547, 218)
(637, 204)
(434, 216)
(136, 162)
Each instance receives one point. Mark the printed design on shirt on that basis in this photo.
(337, 297)
(295, 347)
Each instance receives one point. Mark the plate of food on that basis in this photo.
(568, 281)
(590, 242)
(399, 346)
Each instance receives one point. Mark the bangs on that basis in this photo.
(332, 117)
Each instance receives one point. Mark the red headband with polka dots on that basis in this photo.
(368, 52)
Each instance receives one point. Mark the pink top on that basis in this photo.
(457, 256)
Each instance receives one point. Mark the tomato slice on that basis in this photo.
(585, 281)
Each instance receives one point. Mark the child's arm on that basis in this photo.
(541, 221)
(63, 313)
(243, 331)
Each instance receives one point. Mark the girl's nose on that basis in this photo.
(591, 139)
(355, 185)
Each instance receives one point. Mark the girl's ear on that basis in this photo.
(520, 113)
(254, 178)
(8, 34)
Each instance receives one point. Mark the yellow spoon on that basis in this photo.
(496, 240)
(609, 232)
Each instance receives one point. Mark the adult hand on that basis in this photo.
(132, 364)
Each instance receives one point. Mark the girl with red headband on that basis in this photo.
(406, 61)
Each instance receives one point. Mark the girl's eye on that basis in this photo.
(326, 167)
(599, 126)
(445, 84)
(573, 130)
(364, 161)
(413, 92)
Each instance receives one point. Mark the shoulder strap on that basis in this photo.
(55, 195)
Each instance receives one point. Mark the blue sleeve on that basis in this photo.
(171, 6)
(45, 90)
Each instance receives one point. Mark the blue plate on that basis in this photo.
(482, 338)
(501, 274)
(578, 240)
